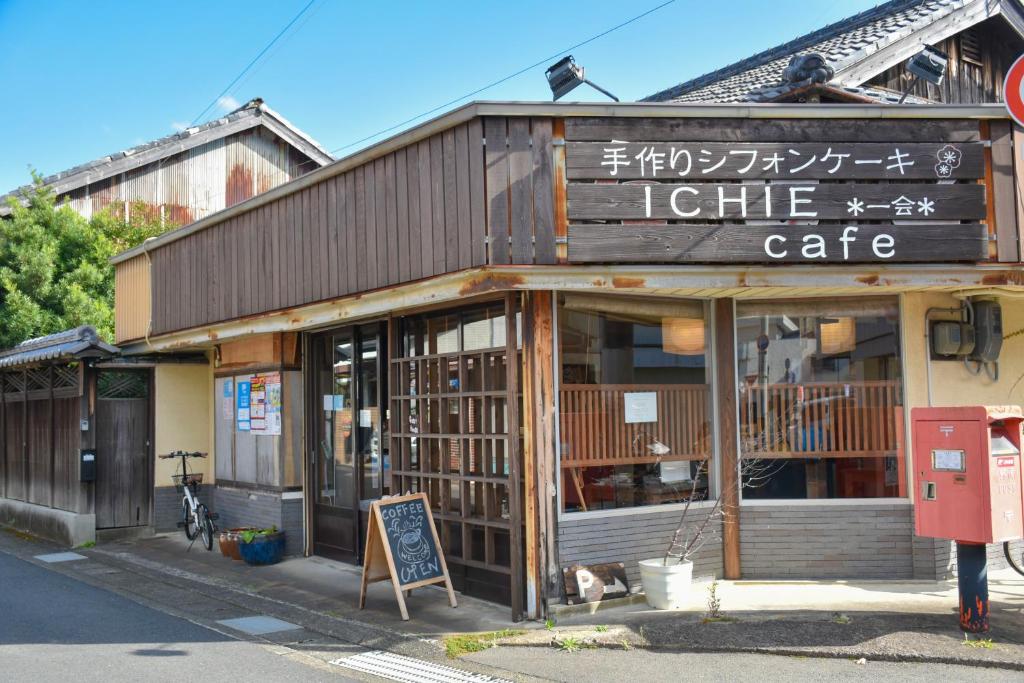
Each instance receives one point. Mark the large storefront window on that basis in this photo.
(635, 419)
(820, 404)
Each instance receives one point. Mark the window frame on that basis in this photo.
(715, 469)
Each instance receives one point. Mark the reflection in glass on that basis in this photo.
(634, 402)
(820, 398)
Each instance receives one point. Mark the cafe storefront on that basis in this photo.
(561, 321)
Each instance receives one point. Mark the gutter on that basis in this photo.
(473, 110)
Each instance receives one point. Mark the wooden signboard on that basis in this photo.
(402, 545)
(653, 191)
(596, 582)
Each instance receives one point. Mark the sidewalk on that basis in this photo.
(893, 621)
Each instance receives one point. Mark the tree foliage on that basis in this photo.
(55, 270)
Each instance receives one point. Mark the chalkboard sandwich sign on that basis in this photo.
(402, 546)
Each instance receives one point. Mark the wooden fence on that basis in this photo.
(820, 420)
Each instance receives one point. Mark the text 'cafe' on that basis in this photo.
(559, 322)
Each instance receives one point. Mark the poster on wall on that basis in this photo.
(243, 406)
(227, 400)
(265, 410)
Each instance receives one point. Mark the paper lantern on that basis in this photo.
(837, 336)
(683, 336)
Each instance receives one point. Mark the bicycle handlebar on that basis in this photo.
(183, 454)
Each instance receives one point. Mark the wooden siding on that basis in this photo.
(131, 299)
(195, 183)
(968, 80)
(423, 210)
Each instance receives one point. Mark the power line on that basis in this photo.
(542, 62)
(254, 60)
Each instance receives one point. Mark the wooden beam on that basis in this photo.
(725, 365)
(514, 450)
(1004, 198)
(542, 575)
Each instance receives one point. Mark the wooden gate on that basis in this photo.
(123, 479)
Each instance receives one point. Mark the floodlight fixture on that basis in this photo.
(929, 64)
(564, 75)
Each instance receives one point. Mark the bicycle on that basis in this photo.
(196, 518)
(1016, 563)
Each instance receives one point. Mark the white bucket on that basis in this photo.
(666, 587)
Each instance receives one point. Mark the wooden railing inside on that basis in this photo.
(819, 420)
(595, 433)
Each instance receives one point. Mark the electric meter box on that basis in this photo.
(967, 471)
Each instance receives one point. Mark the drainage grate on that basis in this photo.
(410, 670)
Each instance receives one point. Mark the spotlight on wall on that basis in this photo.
(564, 75)
(929, 64)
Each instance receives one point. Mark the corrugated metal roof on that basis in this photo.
(844, 43)
(80, 342)
(252, 114)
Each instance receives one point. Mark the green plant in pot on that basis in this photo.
(261, 546)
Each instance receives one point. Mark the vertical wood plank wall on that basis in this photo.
(446, 203)
(131, 299)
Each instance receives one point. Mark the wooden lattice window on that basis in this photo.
(451, 435)
(65, 376)
(114, 384)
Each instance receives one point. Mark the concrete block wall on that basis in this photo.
(629, 538)
(241, 507)
(809, 541)
(167, 508)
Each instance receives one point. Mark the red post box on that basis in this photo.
(967, 472)
(967, 466)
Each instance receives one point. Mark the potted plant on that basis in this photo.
(261, 546)
(228, 541)
(666, 580)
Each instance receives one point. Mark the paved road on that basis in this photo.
(53, 628)
(616, 666)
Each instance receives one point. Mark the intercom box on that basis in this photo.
(967, 471)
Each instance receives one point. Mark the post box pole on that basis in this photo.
(972, 578)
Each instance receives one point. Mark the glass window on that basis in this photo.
(472, 329)
(820, 399)
(634, 401)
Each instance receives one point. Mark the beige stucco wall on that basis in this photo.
(952, 384)
(183, 417)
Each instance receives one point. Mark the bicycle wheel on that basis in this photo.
(191, 528)
(206, 526)
(1014, 559)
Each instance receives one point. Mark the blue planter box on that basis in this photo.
(267, 549)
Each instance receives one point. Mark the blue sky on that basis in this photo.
(83, 79)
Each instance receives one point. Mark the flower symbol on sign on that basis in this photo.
(949, 158)
(926, 206)
(856, 206)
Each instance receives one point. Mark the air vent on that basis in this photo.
(970, 47)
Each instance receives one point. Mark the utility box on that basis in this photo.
(87, 465)
(967, 470)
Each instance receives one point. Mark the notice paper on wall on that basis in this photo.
(265, 411)
(228, 400)
(641, 406)
(243, 398)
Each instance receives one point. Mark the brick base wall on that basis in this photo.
(826, 541)
(240, 507)
(166, 508)
(633, 537)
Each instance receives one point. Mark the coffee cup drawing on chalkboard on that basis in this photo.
(412, 547)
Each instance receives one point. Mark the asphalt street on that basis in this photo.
(54, 628)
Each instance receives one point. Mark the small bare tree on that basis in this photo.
(694, 531)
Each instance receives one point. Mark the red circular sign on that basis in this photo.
(1012, 90)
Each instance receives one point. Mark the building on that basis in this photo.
(558, 320)
(177, 179)
(193, 173)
